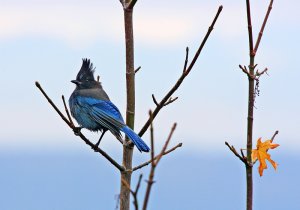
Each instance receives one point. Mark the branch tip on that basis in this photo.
(37, 84)
(155, 101)
(241, 157)
(274, 135)
(138, 68)
(186, 59)
(183, 75)
(88, 142)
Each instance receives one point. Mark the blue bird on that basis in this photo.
(92, 109)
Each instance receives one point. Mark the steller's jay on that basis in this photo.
(92, 109)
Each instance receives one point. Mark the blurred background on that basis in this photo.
(44, 166)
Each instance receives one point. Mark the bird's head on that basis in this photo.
(85, 77)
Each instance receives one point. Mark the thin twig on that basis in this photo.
(139, 183)
(263, 27)
(258, 74)
(154, 100)
(171, 100)
(67, 111)
(88, 142)
(274, 135)
(243, 155)
(155, 162)
(186, 58)
(138, 68)
(183, 75)
(244, 69)
(151, 137)
(153, 165)
(150, 161)
(233, 150)
(166, 145)
(53, 105)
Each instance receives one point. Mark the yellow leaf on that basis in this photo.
(261, 154)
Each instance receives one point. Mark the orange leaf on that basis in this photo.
(261, 154)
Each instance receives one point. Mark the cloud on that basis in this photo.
(83, 24)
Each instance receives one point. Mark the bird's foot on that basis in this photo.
(77, 130)
(96, 146)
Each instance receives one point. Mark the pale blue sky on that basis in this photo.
(45, 41)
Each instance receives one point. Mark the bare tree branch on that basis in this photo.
(71, 125)
(186, 59)
(183, 75)
(274, 135)
(243, 155)
(250, 34)
(155, 162)
(263, 27)
(150, 161)
(233, 150)
(258, 74)
(154, 100)
(166, 145)
(138, 68)
(171, 100)
(67, 111)
(244, 69)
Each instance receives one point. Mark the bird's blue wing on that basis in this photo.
(108, 115)
(110, 109)
(105, 113)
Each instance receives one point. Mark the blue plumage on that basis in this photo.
(91, 107)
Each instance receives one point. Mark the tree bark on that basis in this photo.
(251, 98)
(130, 111)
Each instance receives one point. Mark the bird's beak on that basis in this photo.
(76, 82)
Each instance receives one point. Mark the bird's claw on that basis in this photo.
(77, 130)
(96, 147)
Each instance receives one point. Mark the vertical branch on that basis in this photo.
(153, 165)
(249, 173)
(250, 34)
(130, 110)
(252, 77)
(130, 74)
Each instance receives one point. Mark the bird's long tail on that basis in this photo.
(138, 142)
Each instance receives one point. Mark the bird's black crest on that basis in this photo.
(86, 72)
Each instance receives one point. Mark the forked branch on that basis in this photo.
(263, 27)
(186, 70)
(240, 156)
(155, 162)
